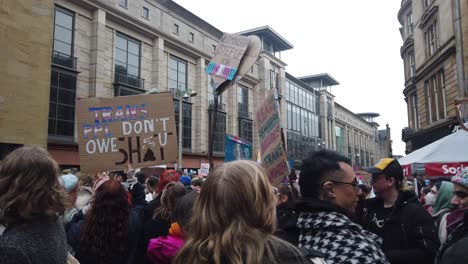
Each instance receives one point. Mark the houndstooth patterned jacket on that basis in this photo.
(339, 239)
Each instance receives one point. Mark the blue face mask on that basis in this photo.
(427, 182)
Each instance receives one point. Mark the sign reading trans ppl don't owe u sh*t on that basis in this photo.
(137, 129)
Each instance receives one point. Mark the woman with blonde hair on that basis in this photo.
(31, 200)
(234, 220)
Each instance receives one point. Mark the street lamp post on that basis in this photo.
(181, 116)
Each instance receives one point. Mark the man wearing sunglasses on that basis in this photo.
(396, 215)
(329, 187)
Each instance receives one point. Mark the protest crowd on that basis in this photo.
(233, 215)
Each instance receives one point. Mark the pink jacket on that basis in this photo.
(161, 250)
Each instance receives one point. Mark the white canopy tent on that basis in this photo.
(451, 149)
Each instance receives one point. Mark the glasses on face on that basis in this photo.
(354, 183)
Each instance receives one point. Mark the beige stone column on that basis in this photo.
(199, 109)
(159, 69)
(97, 66)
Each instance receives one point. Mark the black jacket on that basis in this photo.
(409, 231)
(286, 217)
(454, 250)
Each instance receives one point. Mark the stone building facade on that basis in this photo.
(122, 47)
(432, 83)
(107, 48)
(25, 32)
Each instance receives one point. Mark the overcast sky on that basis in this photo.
(356, 42)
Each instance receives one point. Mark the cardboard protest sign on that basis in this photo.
(227, 57)
(274, 159)
(137, 129)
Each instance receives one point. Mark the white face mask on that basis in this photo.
(430, 198)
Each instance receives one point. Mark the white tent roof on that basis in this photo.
(452, 148)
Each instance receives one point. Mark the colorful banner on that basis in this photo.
(444, 169)
(237, 149)
(274, 158)
(138, 129)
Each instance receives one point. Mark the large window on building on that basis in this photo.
(436, 104)
(411, 64)
(62, 104)
(177, 81)
(409, 23)
(220, 129)
(431, 36)
(177, 74)
(245, 117)
(243, 101)
(127, 61)
(63, 81)
(414, 111)
(63, 38)
(186, 123)
(220, 133)
(63, 32)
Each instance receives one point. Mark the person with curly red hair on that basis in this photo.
(109, 231)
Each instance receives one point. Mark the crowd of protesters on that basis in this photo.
(234, 215)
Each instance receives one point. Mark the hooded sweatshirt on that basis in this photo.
(443, 199)
(326, 229)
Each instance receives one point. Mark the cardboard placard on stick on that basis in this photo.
(227, 58)
(274, 158)
(137, 129)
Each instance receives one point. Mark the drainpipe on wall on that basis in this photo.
(462, 91)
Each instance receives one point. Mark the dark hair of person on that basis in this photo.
(122, 174)
(172, 192)
(285, 189)
(318, 167)
(105, 228)
(141, 177)
(183, 208)
(153, 181)
(167, 177)
(197, 182)
(363, 188)
(29, 186)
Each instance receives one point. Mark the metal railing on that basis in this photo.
(221, 106)
(64, 60)
(127, 79)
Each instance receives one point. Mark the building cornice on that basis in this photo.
(407, 45)
(405, 5)
(410, 86)
(428, 16)
(271, 57)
